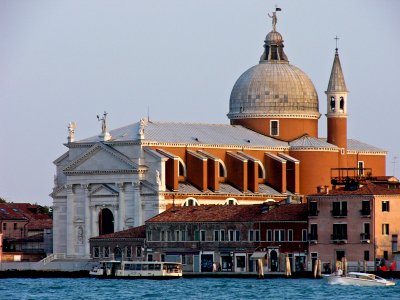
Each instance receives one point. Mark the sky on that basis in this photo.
(177, 60)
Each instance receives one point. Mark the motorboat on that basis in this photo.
(360, 279)
(137, 269)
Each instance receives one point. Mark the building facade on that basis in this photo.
(122, 177)
(360, 224)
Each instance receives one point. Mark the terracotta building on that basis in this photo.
(270, 150)
(359, 222)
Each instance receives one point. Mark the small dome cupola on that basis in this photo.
(273, 44)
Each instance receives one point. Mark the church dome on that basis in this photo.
(274, 87)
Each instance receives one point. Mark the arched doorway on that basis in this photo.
(274, 261)
(106, 221)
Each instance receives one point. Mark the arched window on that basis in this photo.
(190, 202)
(106, 221)
(222, 169)
(332, 103)
(341, 103)
(182, 168)
(118, 253)
(231, 201)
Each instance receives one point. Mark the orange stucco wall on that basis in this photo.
(196, 171)
(289, 128)
(237, 174)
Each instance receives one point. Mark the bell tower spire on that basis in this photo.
(337, 108)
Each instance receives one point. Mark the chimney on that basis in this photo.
(321, 189)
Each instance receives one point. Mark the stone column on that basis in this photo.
(138, 204)
(114, 208)
(70, 220)
(87, 229)
(94, 217)
(121, 205)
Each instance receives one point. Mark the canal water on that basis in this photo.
(198, 288)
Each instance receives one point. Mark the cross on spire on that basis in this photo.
(336, 38)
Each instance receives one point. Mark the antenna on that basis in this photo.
(394, 165)
(148, 113)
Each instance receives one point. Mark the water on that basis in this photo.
(203, 288)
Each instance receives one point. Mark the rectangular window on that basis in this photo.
(313, 232)
(385, 205)
(304, 236)
(202, 235)
(216, 235)
(149, 235)
(386, 255)
(290, 235)
(313, 208)
(257, 235)
(169, 236)
(360, 168)
(222, 235)
(366, 255)
(385, 229)
(279, 235)
(274, 127)
(4, 226)
(251, 235)
(106, 252)
(138, 251)
(96, 252)
(162, 235)
(197, 235)
(394, 242)
(365, 208)
(177, 235)
(183, 235)
(254, 235)
(276, 235)
(339, 209)
(269, 235)
(339, 232)
(183, 259)
(15, 226)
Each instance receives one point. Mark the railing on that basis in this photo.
(365, 212)
(48, 259)
(339, 213)
(365, 237)
(339, 238)
(313, 238)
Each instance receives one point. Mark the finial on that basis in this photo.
(336, 38)
(274, 18)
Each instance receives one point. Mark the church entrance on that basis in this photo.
(106, 221)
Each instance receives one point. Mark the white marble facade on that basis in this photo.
(122, 176)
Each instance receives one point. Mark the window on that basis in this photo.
(385, 229)
(313, 232)
(15, 226)
(274, 127)
(365, 208)
(128, 251)
(162, 235)
(96, 252)
(197, 235)
(231, 235)
(279, 235)
(269, 235)
(237, 235)
(339, 232)
(177, 235)
(366, 255)
(386, 255)
(290, 235)
(385, 205)
(304, 236)
(366, 234)
(339, 209)
(332, 104)
(313, 208)
(254, 235)
(341, 104)
(190, 202)
(231, 201)
(216, 235)
(183, 235)
(4, 226)
(183, 259)
(149, 236)
(202, 235)
(394, 242)
(169, 236)
(360, 165)
(106, 252)
(222, 236)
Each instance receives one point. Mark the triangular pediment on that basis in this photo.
(99, 159)
(103, 190)
(59, 192)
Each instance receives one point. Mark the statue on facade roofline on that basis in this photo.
(103, 122)
(71, 131)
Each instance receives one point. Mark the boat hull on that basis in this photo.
(344, 280)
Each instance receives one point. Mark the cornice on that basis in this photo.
(276, 115)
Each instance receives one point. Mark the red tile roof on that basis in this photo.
(136, 232)
(368, 189)
(8, 212)
(233, 213)
(40, 224)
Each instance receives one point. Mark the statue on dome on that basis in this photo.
(274, 18)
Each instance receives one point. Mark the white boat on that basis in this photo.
(137, 269)
(360, 279)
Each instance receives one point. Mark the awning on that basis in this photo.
(258, 255)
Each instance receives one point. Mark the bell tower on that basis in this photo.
(337, 110)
